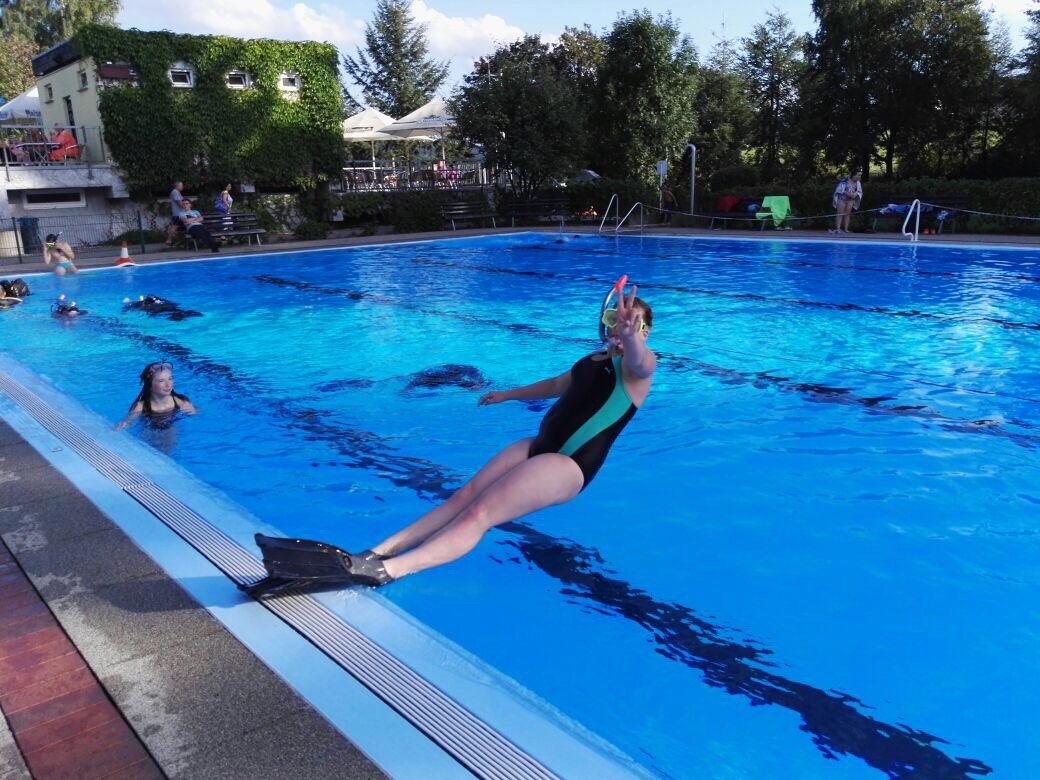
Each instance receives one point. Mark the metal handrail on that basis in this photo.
(606, 212)
(636, 205)
(915, 205)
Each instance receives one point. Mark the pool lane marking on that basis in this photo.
(836, 725)
(653, 285)
(814, 392)
(757, 297)
(987, 276)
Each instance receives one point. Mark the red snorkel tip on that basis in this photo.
(619, 285)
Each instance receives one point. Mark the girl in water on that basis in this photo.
(157, 401)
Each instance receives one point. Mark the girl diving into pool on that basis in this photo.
(157, 401)
(598, 395)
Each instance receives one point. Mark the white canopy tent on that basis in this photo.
(368, 125)
(429, 122)
(23, 109)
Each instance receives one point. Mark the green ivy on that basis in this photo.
(209, 135)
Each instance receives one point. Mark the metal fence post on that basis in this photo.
(140, 231)
(17, 239)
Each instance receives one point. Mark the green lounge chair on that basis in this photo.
(777, 207)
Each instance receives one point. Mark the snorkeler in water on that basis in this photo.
(64, 308)
(153, 306)
(157, 401)
(598, 396)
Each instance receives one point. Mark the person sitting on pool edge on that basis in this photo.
(60, 253)
(598, 395)
(157, 401)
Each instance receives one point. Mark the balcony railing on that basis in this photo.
(33, 146)
(393, 174)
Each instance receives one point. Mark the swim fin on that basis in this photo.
(300, 563)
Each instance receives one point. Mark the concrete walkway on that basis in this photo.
(199, 702)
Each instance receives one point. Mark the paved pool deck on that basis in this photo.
(108, 668)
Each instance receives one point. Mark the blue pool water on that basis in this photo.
(813, 553)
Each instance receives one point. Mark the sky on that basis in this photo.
(460, 31)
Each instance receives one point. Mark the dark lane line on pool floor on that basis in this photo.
(814, 392)
(989, 276)
(855, 307)
(832, 718)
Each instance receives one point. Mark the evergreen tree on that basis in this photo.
(772, 66)
(644, 107)
(395, 73)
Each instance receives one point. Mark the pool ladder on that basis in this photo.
(915, 208)
(619, 222)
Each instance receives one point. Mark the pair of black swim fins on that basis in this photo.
(298, 564)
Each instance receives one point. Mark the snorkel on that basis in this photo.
(616, 290)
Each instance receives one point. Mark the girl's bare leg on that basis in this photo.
(427, 525)
(533, 484)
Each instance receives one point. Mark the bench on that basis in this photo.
(466, 211)
(738, 212)
(537, 210)
(941, 209)
(227, 226)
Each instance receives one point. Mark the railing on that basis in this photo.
(33, 146)
(642, 220)
(606, 212)
(394, 174)
(915, 207)
(23, 237)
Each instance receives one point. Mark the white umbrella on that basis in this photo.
(365, 126)
(431, 120)
(24, 107)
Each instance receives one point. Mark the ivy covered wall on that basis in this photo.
(209, 135)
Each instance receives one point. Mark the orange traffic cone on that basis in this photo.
(124, 257)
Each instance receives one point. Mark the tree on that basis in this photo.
(894, 76)
(724, 113)
(29, 26)
(644, 107)
(1019, 148)
(518, 106)
(771, 66)
(395, 73)
(16, 74)
(48, 22)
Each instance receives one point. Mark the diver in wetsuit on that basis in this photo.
(598, 395)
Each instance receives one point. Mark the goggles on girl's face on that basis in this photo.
(155, 368)
(609, 319)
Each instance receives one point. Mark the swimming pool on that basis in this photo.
(826, 506)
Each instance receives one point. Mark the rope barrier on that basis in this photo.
(862, 212)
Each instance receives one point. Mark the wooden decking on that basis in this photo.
(62, 720)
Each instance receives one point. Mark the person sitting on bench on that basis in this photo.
(193, 223)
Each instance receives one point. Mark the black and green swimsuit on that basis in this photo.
(588, 417)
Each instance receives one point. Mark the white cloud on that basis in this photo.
(247, 19)
(459, 40)
(454, 37)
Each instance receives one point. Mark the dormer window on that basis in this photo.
(182, 75)
(238, 79)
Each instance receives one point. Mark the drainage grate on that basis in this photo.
(470, 741)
